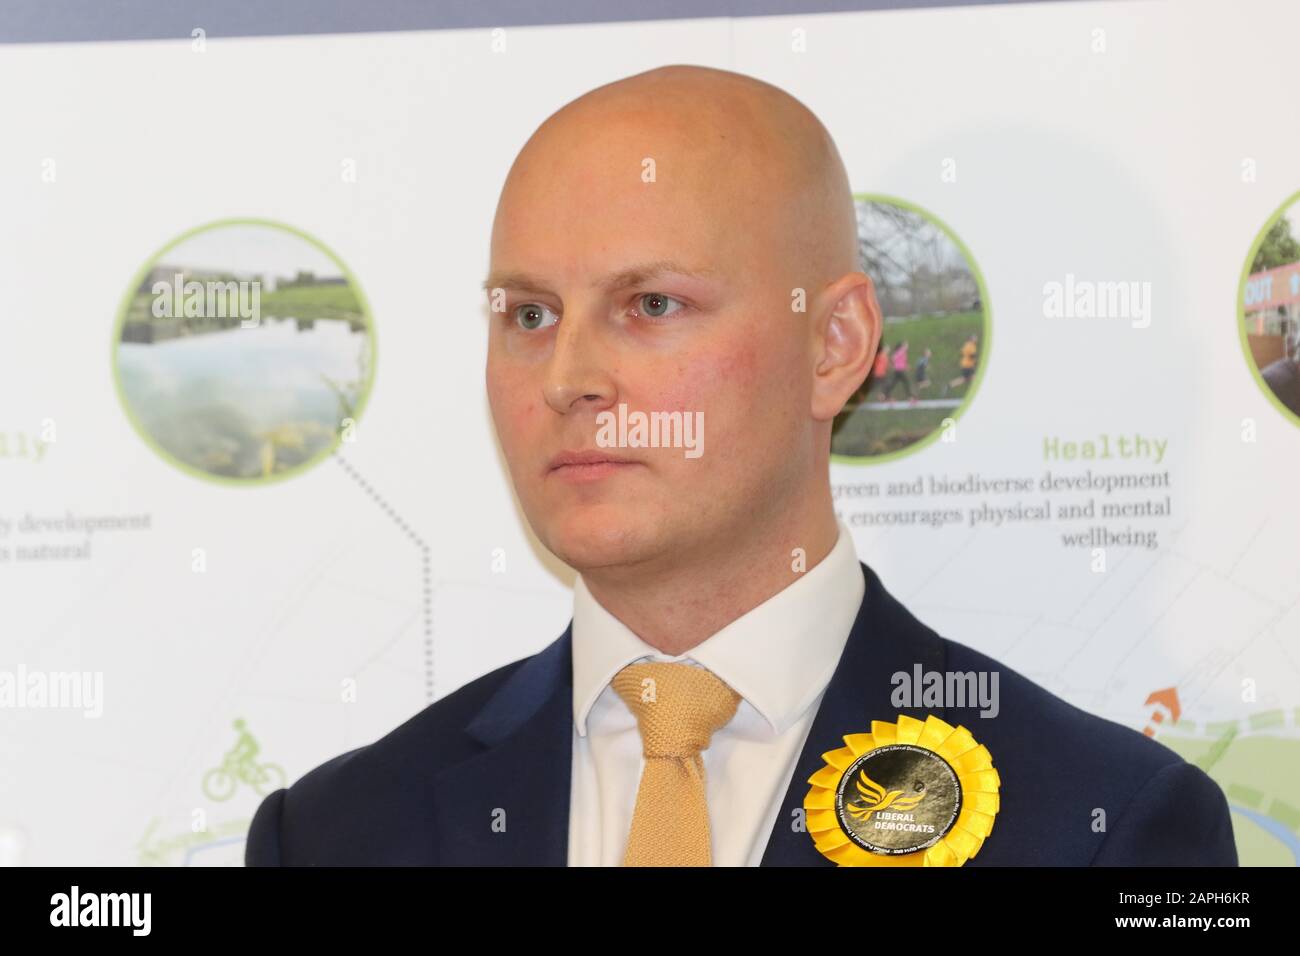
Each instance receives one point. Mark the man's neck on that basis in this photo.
(678, 607)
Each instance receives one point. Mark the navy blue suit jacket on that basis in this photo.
(426, 793)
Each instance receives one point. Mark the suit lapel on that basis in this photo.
(509, 804)
(885, 639)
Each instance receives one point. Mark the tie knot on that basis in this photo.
(677, 706)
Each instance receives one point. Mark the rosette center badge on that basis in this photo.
(910, 793)
(898, 799)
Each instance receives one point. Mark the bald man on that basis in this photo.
(682, 243)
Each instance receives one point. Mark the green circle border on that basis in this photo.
(985, 347)
(116, 341)
(1241, 309)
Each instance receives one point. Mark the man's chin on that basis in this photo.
(600, 536)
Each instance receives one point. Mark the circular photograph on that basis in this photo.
(935, 338)
(244, 352)
(1268, 301)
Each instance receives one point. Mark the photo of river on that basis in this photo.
(245, 355)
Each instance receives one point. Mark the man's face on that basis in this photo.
(670, 295)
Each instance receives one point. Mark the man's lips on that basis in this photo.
(588, 465)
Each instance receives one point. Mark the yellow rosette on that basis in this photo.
(910, 793)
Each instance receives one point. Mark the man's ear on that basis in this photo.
(847, 345)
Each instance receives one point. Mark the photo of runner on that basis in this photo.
(923, 371)
(969, 353)
(936, 330)
(898, 366)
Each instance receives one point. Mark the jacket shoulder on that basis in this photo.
(373, 802)
(1083, 789)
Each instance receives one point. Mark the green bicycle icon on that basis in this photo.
(239, 766)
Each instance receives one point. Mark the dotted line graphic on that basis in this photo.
(426, 603)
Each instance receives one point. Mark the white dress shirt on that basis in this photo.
(779, 657)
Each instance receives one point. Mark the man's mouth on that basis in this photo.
(589, 465)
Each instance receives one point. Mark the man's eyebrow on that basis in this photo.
(622, 279)
(514, 280)
(640, 274)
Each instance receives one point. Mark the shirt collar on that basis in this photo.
(778, 656)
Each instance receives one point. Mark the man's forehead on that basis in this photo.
(603, 185)
(613, 237)
(690, 170)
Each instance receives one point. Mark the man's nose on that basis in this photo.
(577, 374)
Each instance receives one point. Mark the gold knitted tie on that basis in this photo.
(678, 707)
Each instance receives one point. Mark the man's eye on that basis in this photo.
(532, 316)
(656, 304)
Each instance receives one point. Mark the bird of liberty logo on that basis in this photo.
(872, 797)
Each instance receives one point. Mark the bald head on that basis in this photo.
(732, 153)
(680, 242)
